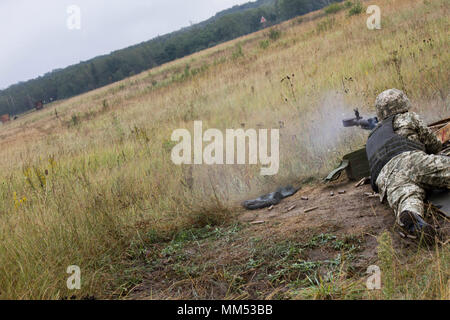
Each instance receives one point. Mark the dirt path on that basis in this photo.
(350, 212)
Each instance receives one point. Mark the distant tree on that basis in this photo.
(292, 8)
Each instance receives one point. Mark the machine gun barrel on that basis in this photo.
(358, 121)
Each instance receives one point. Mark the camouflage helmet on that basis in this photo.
(391, 102)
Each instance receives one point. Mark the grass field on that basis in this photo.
(89, 181)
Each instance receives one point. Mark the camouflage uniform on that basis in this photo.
(404, 179)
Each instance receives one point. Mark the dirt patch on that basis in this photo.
(285, 249)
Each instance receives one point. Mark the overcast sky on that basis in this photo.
(35, 38)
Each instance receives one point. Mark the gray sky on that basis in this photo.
(35, 38)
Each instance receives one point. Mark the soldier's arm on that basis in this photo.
(426, 136)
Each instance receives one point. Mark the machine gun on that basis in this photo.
(356, 163)
(358, 121)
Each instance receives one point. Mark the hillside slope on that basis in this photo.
(120, 64)
(89, 181)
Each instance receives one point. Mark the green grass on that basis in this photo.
(356, 9)
(333, 8)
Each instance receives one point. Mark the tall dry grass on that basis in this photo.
(89, 180)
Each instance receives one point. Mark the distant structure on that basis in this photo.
(5, 118)
(39, 105)
(263, 21)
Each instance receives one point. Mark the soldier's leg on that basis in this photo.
(407, 200)
(405, 195)
(414, 173)
(406, 190)
(431, 171)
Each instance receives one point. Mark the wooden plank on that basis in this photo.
(440, 122)
(444, 133)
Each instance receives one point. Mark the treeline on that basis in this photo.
(100, 71)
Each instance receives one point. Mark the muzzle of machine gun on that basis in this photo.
(358, 121)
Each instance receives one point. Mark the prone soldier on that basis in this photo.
(404, 162)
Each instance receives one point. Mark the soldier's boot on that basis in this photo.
(414, 224)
